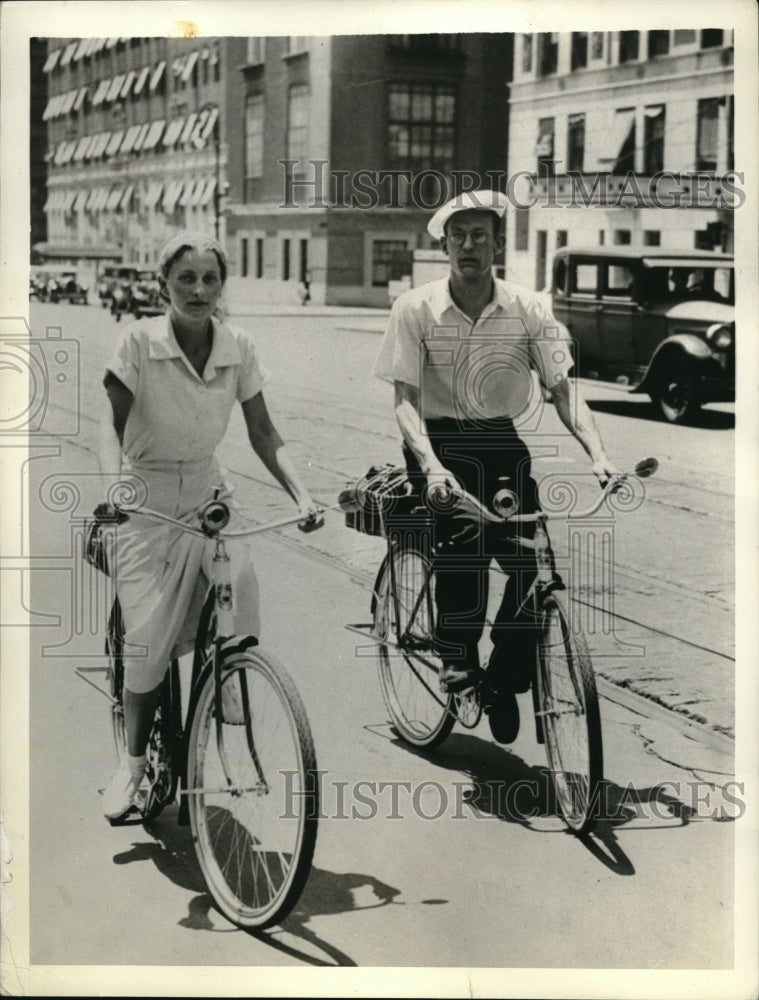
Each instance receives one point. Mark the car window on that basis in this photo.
(560, 281)
(585, 279)
(619, 281)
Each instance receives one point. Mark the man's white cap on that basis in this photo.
(484, 200)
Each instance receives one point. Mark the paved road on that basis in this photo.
(671, 636)
(450, 875)
(478, 886)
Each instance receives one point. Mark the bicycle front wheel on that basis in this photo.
(568, 707)
(408, 666)
(253, 790)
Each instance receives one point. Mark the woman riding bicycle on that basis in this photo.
(172, 383)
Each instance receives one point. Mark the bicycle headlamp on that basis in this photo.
(720, 336)
(214, 517)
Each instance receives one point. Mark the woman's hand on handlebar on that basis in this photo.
(605, 471)
(312, 514)
(442, 485)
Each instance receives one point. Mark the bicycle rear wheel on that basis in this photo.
(407, 662)
(253, 794)
(568, 707)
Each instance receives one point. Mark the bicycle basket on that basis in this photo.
(94, 547)
(385, 491)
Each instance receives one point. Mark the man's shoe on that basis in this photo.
(454, 678)
(119, 796)
(503, 716)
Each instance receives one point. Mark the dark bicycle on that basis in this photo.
(423, 712)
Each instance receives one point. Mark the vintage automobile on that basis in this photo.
(662, 322)
(112, 276)
(146, 295)
(56, 282)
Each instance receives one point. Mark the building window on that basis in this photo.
(658, 43)
(544, 147)
(303, 274)
(579, 59)
(601, 237)
(628, 46)
(285, 260)
(711, 38)
(576, 142)
(383, 252)
(259, 257)
(651, 238)
(684, 37)
(527, 53)
(297, 122)
(708, 133)
(622, 237)
(730, 128)
(244, 256)
(624, 141)
(254, 136)
(421, 126)
(597, 45)
(548, 58)
(561, 238)
(653, 140)
(255, 51)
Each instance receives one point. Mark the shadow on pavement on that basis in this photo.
(326, 893)
(706, 419)
(504, 786)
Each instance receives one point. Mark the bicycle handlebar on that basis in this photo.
(214, 517)
(506, 502)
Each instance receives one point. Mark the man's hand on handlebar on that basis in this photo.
(442, 485)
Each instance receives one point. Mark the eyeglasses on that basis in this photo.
(456, 237)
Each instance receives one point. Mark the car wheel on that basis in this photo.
(675, 390)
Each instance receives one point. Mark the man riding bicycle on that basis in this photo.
(462, 353)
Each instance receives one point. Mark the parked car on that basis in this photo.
(113, 275)
(53, 282)
(660, 321)
(146, 295)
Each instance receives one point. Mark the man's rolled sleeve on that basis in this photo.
(398, 357)
(550, 345)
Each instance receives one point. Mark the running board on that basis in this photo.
(81, 671)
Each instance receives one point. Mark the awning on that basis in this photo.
(79, 98)
(67, 200)
(171, 195)
(204, 127)
(82, 146)
(158, 73)
(129, 138)
(98, 147)
(52, 59)
(69, 102)
(208, 192)
(102, 198)
(68, 52)
(141, 79)
(191, 193)
(187, 130)
(103, 87)
(67, 152)
(80, 200)
(81, 48)
(152, 193)
(110, 42)
(92, 199)
(102, 251)
(623, 128)
(114, 142)
(126, 197)
(48, 112)
(114, 198)
(130, 78)
(189, 66)
(52, 201)
(141, 136)
(58, 158)
(154, 134)
(115, 88)
(173, 131)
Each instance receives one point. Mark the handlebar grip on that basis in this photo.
(214, 516)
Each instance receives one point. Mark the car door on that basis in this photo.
(582, 314)
(617, 322)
